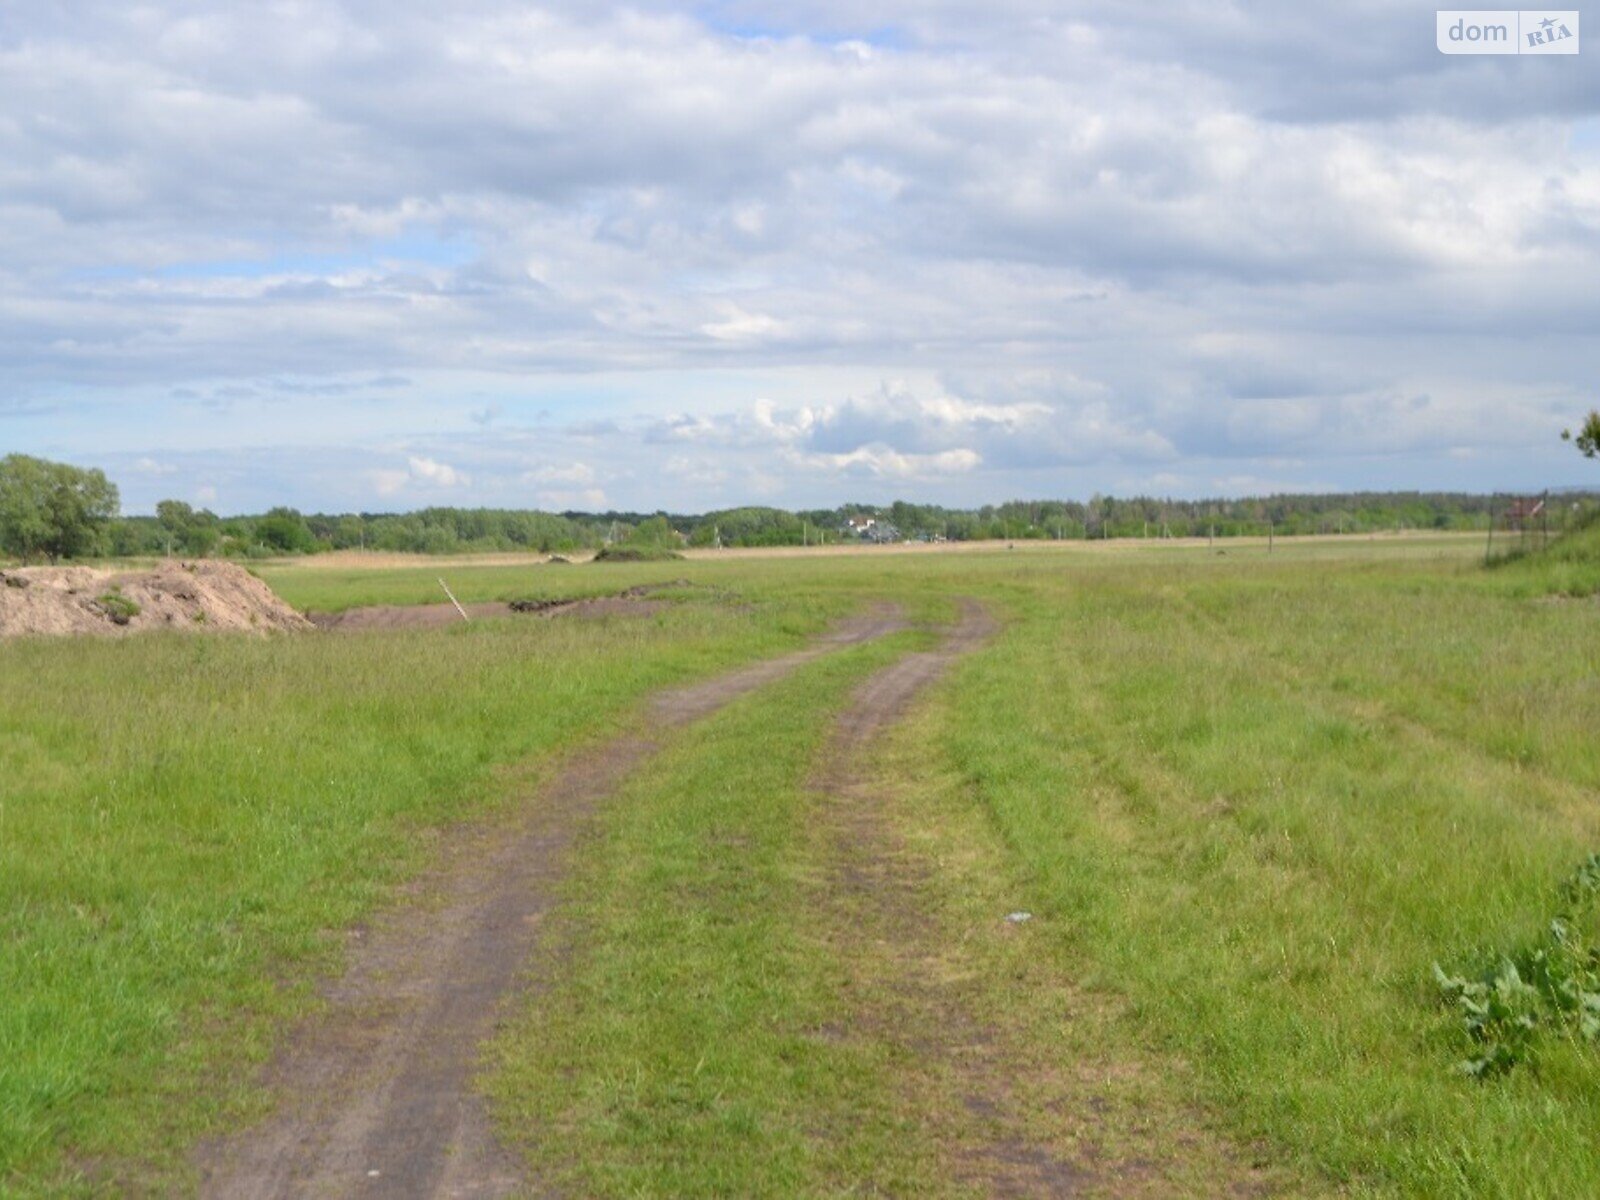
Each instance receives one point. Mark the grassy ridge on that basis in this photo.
(186, 821)
(1568, 566)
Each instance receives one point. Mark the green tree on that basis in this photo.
(175, 517)
(192, 532)
(350, 531)
(1588, 436)
(654, 531)
(285, 529)
(52, 510)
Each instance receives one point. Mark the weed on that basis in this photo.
(1552, 986)
(119, 608)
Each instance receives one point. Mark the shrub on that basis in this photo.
(633, 554)
(118, 607)
(1551, 985)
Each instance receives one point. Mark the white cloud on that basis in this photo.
(568, 473)
(1150, 234)
(738, 325)
(437, 473)
(420, 472)
(388, 482)
(883, 461)
(584, 499)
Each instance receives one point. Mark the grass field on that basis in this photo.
(1249, 799)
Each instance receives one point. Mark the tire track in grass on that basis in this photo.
(1010, 1119)
(374, 1096)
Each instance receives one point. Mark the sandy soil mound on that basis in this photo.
(199, 596)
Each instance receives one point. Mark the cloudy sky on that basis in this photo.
(385, 254)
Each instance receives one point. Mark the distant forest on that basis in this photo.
(180, 529)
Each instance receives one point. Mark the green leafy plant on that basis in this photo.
(1552, 986)
(1588, 436)
(118, 607)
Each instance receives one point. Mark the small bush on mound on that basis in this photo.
(118, 607)
(634, 554)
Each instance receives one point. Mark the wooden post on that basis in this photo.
(454, 601)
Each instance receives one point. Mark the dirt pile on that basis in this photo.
(199, 596)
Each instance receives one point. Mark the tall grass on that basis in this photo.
(1568, 566)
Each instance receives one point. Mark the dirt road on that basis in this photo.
(949, 996)
(374, 1096)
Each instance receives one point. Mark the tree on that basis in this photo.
(193, 532)
(654, 531)
(1588, 436)
(52, 510)
(286, 530)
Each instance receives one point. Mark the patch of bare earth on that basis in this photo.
(954, 999)
(632, 602)
(374, 1096)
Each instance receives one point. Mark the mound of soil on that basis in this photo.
(198, 596)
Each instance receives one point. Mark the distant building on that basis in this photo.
(870, 529)
(1524, 511)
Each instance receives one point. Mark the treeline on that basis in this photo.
(53, 511)
(179, 528)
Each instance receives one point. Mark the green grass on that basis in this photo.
(1261, 806)
(1251, 799)
(679, 1055)
(1568, 566)
(187, 823)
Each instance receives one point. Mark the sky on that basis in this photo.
(382, 255)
